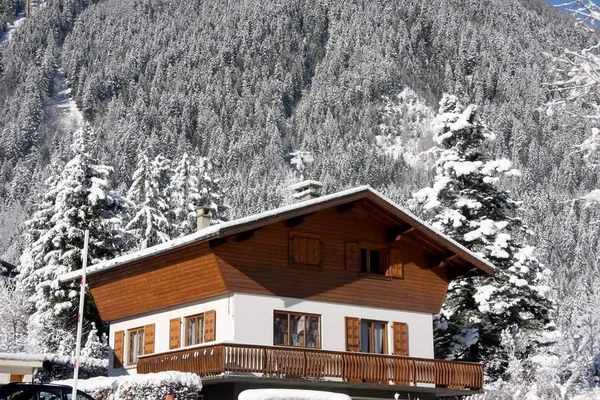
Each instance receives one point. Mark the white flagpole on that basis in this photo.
(80, 314)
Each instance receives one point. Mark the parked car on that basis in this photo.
(34, 391)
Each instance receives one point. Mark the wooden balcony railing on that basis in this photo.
(271, 361)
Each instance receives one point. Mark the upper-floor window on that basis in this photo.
(194, 328)
(135, 344)
(373, 258)
(296, 329)
(371, 261)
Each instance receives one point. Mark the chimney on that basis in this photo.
(203, 217)
(306, 190)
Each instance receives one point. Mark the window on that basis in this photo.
(376, 259)
(305, 249)
(373, 338)
(135, 344)
(194, 328)
(370, 261)
(294, 329)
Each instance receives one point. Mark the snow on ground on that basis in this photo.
(68, 114)
(6, 36)
(405, 126)
(52, 357)
(290, 394)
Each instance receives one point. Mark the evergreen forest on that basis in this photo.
(123, 117)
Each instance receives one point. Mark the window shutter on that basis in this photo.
(174, 333)
(118, 351)
(305, 248)
(400, 339)
(352, 257)
(352, 334)
(210, 326)
(396, 268)
(149, 339)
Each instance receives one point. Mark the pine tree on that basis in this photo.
(147, 203)
(466, 203)
(184, 197)
(78, 198)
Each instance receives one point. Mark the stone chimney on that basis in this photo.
(203, 217)
(306, 190)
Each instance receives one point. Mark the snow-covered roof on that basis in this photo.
(254, 221)
(7, 269)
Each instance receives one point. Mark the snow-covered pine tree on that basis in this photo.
(211, 192)
(147, 204)
(78, 197)
(184, 197)
(13, 317)
(466, 203)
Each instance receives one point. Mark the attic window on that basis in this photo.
(371, 261)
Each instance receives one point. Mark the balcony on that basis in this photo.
(302, 363)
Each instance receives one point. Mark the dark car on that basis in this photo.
(34, 391)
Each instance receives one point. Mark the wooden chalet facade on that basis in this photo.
(334, 293)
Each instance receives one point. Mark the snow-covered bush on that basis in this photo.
(182, 385)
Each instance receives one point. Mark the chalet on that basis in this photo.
(334, 293)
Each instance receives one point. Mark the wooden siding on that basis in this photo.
(184, 275)
(260, 265)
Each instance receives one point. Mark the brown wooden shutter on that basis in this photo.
(352, 257)
(174, 333)
(118, 351)
(400, 339)
(149, 339)
(210, 326)
(305, 248)
(352, 334)
(396, 268)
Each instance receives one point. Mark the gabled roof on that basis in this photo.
(397, 219)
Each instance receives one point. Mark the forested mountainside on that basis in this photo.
(244, 83)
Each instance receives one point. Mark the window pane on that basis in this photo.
(379, 337)
(200, 336)
(313, 336)
(132, 346)
(364, 337)
(280, 329)
(191, 331)
(364, 266)
(297, 330)
(375, 261)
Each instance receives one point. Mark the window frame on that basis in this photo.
(200, 331)
(383, 258)
(306, 316)
(141, 346)
(385, 339)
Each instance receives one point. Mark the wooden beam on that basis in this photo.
(393, 234)
(217, 242)
(292, 222)
(244, 236)
(344, 208)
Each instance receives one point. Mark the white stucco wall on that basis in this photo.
(254, 322)
(246, 318)
(223, 305)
